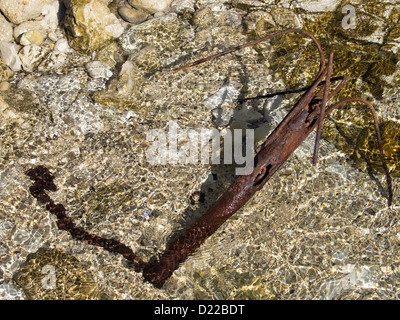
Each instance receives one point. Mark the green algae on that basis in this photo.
(70, 279)
(353, 133)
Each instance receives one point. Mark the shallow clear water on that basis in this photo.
(313, 232)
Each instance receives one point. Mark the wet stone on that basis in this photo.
(51, 274)
(132, 15)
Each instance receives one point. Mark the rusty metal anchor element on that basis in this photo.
(307, 114)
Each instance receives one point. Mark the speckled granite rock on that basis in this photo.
(151, 6)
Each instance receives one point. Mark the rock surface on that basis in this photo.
(18, 11)
(132, 15)
(90, 25)
(8, 53)
(6, 30)
(151, 6)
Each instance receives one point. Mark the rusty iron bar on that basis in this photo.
(307, 113)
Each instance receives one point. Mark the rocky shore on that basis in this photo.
(82, 82)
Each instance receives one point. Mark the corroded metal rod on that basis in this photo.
(308, 112)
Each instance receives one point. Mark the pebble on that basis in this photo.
(31, 37)
(62, 46)
(17, 11)
(31, 55)
(8, 54)
(151, 6)
(4, 86)
(5, 72)
(98, 69)
(132, 15)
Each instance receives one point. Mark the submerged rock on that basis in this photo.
(5, 72)
(51, 274)
(167, 33)
(317, 6)
(132, 15)
(90, 25)
(98, 69)
(6, 30)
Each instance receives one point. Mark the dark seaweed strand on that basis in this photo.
(378, 137)
(43, 180)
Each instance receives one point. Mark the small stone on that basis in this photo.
(31, 37)
(67, 278)
(203, 18)
(8, 54)
(132, 15)
(4, 86)
(98, 69)
(183, 5)
(63, 46)
(151, 6)
(6, 30)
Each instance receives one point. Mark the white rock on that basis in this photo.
(317, 5)
(226, 95)
(52, 13)
(98, 69)
(18, 11)
(6, 30)
(151, 6)
(63, 46)
(28, 26)
(182, 5)
(132, 15)
(31, 56)
(8, 54)
(125, 78)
